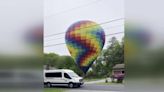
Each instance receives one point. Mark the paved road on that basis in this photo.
(96, 88)
(93, 86)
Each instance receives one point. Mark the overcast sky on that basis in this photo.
(60, 14)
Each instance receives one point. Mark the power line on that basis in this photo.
(65, 43)
(114, 33)
(54, 39)
(54, 45)
(83, 31)
(88, 26)
(74, 8)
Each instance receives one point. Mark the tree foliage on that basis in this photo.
(61, 62)
(114, 54)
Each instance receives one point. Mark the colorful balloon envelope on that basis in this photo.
(85, 40)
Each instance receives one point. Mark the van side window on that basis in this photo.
(67, 76)
(57, 74)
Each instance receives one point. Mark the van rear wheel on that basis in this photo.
(70, 85)
(49, 85)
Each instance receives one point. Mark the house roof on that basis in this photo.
(119, 66)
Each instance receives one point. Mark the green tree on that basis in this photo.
(114, 54)
(61, 62)
(50, 59)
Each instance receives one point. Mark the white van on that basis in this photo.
(62, 77)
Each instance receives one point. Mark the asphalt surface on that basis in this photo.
(95, 88)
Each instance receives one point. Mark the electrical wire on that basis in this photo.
(104, 30)
(87, 27)
(74, 8)
(65, 43)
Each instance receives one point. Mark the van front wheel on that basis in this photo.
(70, 85)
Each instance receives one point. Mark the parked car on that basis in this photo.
(62, 77)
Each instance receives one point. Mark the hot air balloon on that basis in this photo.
(85, 40)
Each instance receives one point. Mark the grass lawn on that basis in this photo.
(109, 83)
(53, 90)
(91, 79)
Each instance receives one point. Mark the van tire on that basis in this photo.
(79, 86)
(70, 85)
(49, 85)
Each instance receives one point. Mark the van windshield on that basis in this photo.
(72, 74)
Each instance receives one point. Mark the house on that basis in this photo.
(118, 72)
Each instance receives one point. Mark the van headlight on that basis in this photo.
(80, 80)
